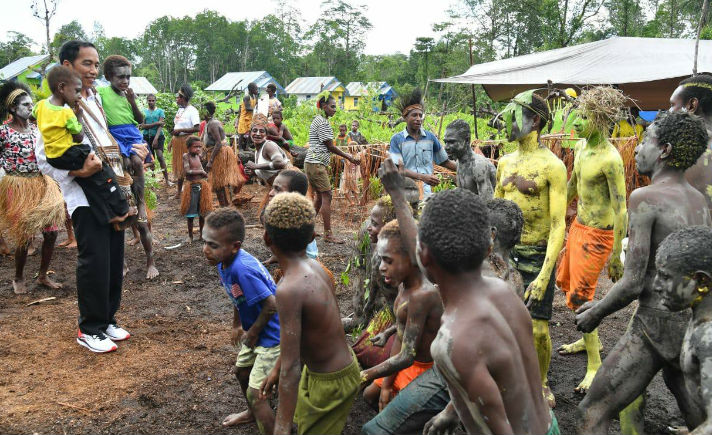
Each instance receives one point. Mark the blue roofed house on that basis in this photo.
(306, 88)
(382, 95)
(25, 69)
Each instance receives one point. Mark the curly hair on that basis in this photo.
(455, 227)
(210, 107)
(60, 74)
(112, 62)
(687, 135)
(507, 218)
(391, 231)
(461, 127)
(385, 203)
(700, 87)
(228, 217)
(5, 91)
(297, 181)
(687, 250)
(289, 221)
(191, 140)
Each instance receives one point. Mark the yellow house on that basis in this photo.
(306, 88)
(380, 94)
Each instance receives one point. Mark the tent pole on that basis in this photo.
(474, 97)
(705, 8)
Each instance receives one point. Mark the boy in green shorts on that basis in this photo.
(311, 328)
(255, 322)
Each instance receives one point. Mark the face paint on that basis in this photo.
(23, 107)
(677, 290)
(120, 79)
(583, 126)
(648, 152)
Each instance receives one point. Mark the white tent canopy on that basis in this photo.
(646, 69)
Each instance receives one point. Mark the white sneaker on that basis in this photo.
(96, 343)
(117, 333)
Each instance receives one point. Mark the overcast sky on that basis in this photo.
(131, 17)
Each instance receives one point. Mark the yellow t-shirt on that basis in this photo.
(246, 117)
(57, 125)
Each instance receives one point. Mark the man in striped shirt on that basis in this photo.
(318, 158)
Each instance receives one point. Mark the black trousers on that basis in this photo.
(100, 263)
(102, 190)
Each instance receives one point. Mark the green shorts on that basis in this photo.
(318, 177)
(262, 361)
(324, 399)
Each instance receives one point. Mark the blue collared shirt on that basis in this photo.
(417, 154)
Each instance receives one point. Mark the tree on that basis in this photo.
(116, 45)
(626, 17)
(68, 32)
(17, 46)
(44, 12)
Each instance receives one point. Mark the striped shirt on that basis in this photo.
(319, 132)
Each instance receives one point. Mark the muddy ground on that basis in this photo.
(173, 375)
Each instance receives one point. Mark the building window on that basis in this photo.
(355, 101)
(308, 97)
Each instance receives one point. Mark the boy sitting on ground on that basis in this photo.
(684, 275)
(506, 220)
(255, 323)
(321, 401)
(485, 349)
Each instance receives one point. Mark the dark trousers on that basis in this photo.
(100, 262)
(102, 190)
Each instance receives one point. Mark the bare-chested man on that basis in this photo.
(535, 179)
(653, 339)
(596, 235)
(311, 330)
(485, 346)
(417, 306)
(684, 278)
(694, 95)
(474, 172)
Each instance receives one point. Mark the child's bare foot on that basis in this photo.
(239, 418)
(117, 219)
(72, 244)
(549, 396)
(66, 243)
(152, 272)
(45, 281)
(329, 238)
(19, 287)
(133, 241)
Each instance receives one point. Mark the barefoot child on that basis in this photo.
(255, 322)
(196, 201)
(62, 135)
(485, 346)
(311, 331)
(653, 339)
(684, 277)
(341, 138)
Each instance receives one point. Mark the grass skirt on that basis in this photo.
(206, 197)
(225, 171)
(179, 148)
(29, 205)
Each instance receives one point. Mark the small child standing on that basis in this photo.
(62, 135)
(196, 201)
(355, 135)
(255, 323)
(341, 138)
(684, 278)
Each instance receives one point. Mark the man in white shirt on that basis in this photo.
(100, 256)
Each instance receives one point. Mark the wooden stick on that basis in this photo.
(69, 405)
(39, 301)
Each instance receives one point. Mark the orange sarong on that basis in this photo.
(587, 251)
(407, 375)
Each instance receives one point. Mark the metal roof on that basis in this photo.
(140, 85)
(313, 85)
(14, 69)
(359, 89)
(240, 80)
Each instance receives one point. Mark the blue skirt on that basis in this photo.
(126, 136)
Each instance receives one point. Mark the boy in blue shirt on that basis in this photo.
(255, 321)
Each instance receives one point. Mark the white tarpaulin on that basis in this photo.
(646, 69)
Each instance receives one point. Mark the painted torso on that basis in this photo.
(475, 171)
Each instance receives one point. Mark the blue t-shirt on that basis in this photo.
(417, 154)
(151, 117)
(247, 283)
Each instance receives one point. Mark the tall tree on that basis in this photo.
(17, 46)
(44, 11)
(68, 32)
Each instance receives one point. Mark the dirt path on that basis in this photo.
(173, 375)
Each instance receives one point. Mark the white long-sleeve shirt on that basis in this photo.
(73, 193)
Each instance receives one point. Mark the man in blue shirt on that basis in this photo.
(255, 322)
(416, 148)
